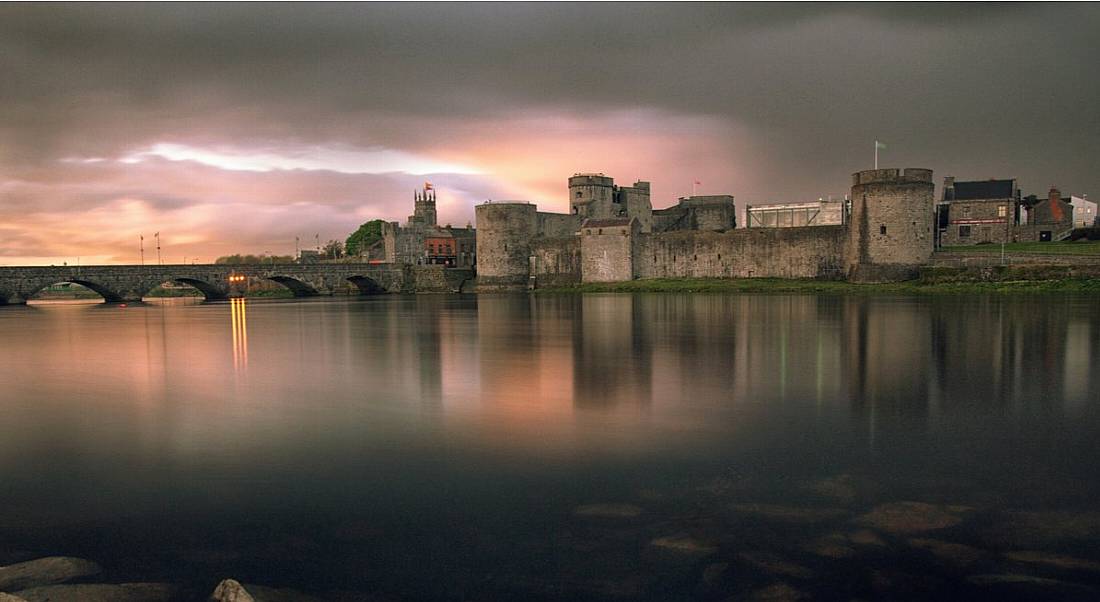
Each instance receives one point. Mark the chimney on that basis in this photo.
(1056, 213)
(949, 188)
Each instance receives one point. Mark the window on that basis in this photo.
(578, 194)
(1002, 211)
(882, 229)
(966, 211)
(600, 231)
(964, 231)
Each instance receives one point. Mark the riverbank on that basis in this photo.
(1078, 248)
(942, 284)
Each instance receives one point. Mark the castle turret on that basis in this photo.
(591, 195)
(890, 233)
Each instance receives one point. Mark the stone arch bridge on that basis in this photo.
(132, 282)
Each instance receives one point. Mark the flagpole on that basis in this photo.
(876, 154)
(142, 245)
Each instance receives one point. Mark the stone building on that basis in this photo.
(888, 236)
(448, 246)
(993, 211)
(422, 241)
(715, 213)
(1048, 219)
(978, 212)
(792, 215)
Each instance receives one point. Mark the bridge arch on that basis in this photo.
(367, 285)
(108, 294)
(299, 288)
(208, 290)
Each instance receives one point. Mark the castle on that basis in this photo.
(613, 234)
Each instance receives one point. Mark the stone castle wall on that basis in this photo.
(809, 252)
(609, 253)
(556, 224)
(556, 261)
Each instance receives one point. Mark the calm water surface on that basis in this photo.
(572, 447)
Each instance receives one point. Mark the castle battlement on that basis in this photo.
(892, 175)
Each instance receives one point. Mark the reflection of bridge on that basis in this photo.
(132, 282)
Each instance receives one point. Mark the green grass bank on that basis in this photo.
(1080, 247)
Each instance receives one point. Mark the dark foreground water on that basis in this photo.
(576, 447)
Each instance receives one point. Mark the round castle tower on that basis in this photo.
(890, 231)
(504, 233)
(591, 195)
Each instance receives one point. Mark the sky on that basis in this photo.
(234, 128)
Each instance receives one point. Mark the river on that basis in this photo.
(656, 447)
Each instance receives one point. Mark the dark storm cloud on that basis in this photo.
(975, 90)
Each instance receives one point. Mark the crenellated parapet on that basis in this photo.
(892, 176)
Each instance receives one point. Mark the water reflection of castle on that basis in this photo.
(544, 356)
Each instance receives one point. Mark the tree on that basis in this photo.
(361, 240)
(239, 259)
(333, 249)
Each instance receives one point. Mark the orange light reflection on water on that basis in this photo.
(239, 318)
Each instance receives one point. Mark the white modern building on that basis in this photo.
(792, 215)
(1084, 211)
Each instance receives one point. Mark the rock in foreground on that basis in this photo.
(684, 544)
(912, 517)
(789, 514)
(122, 592)
(954, 554)
(44, 571)
(1056, 561)
(231, 590)
(608, 510)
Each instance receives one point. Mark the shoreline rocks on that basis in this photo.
(44, 571)
(612, 510)
(100, 592)
(912, 517)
